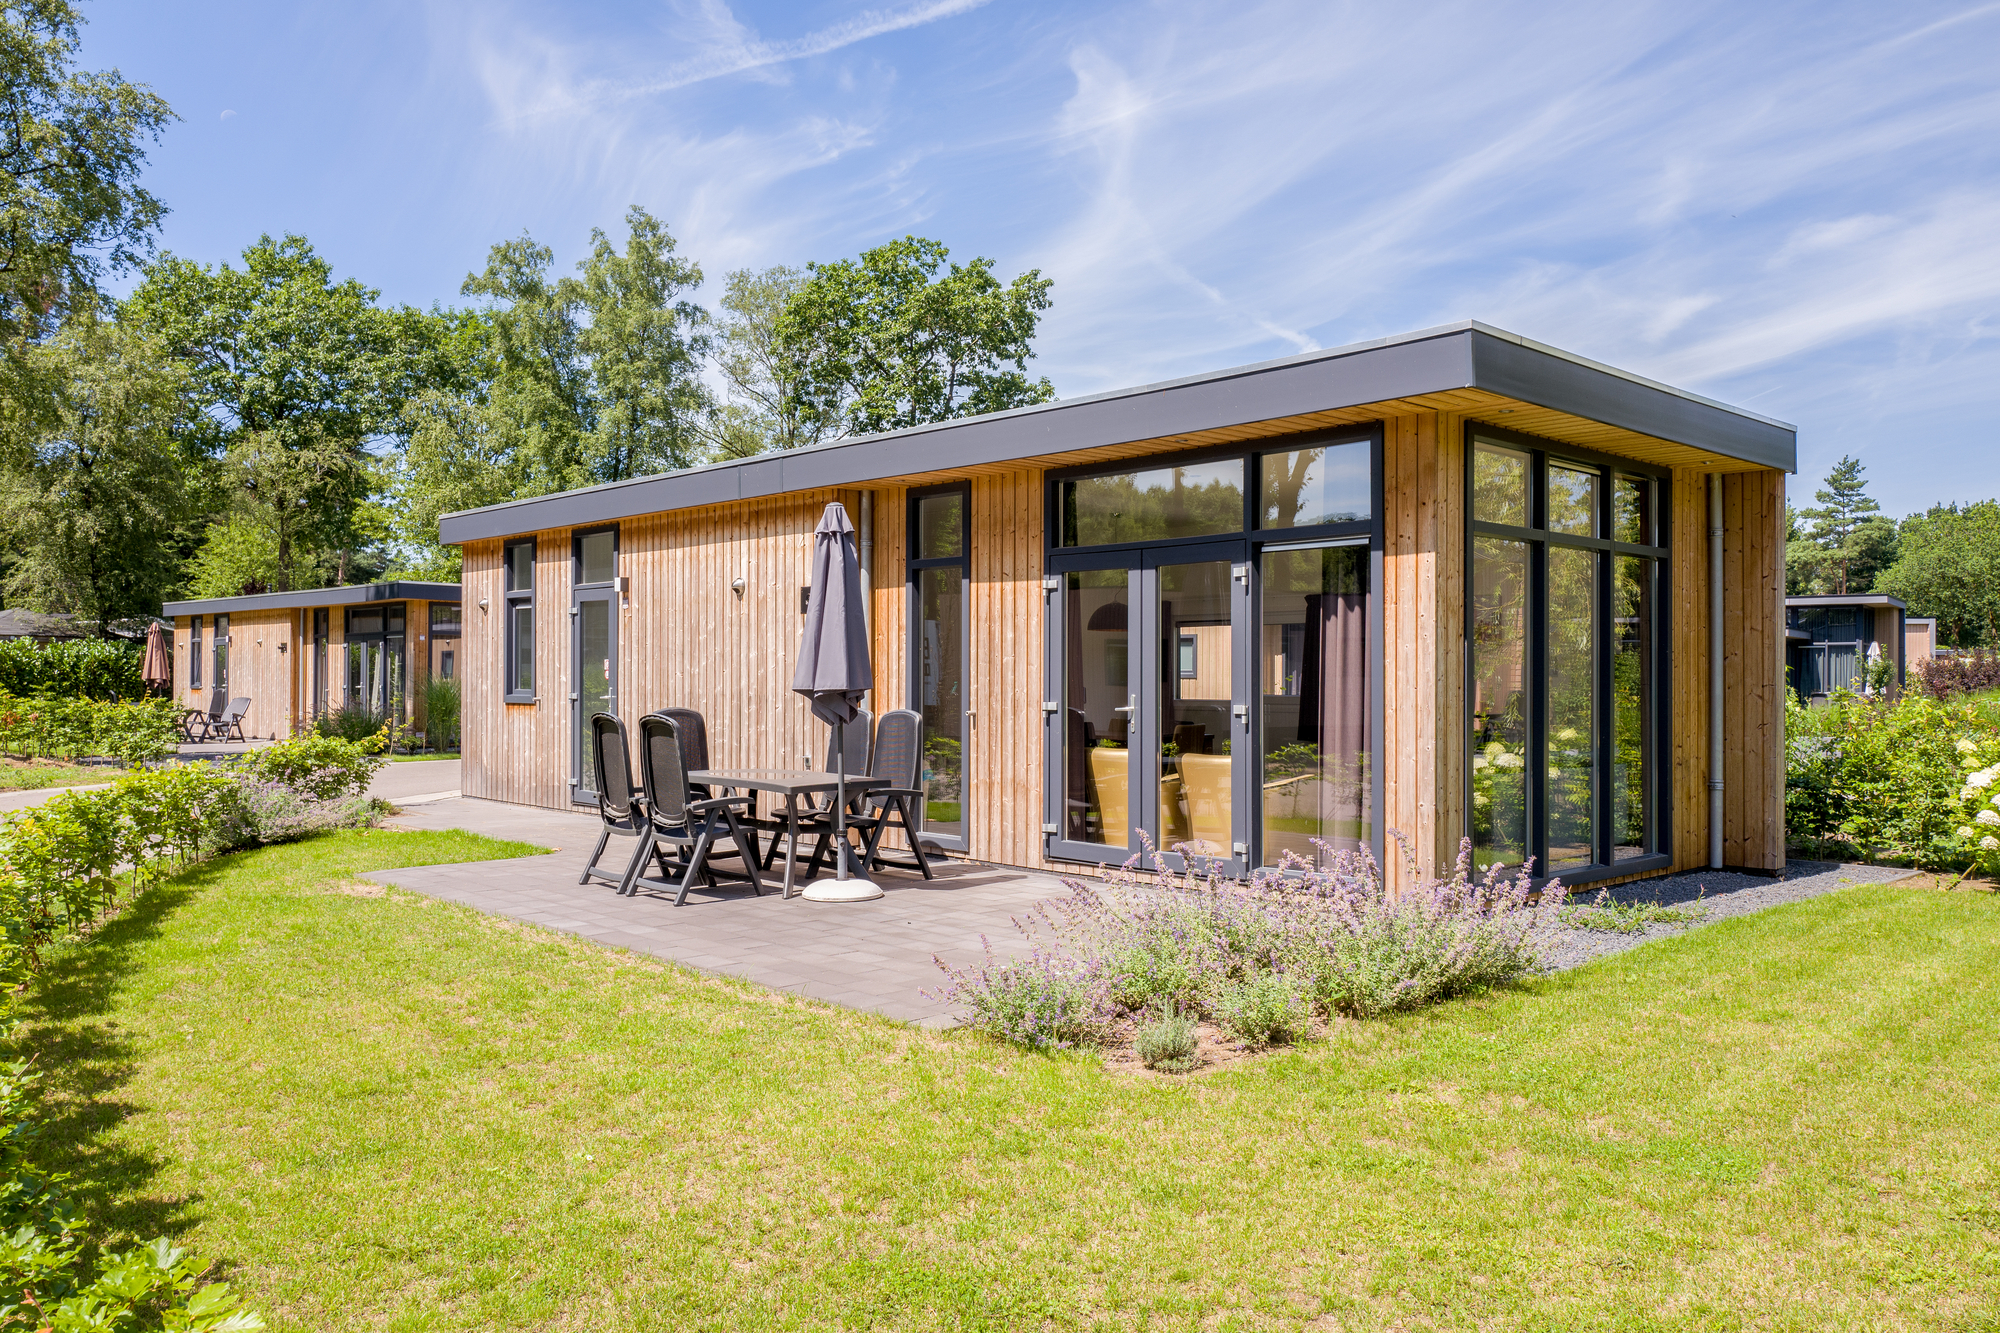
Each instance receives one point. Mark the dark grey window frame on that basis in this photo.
(195, 650)
(510, 599)
(218, 674)
(579, 591)
(913, 648)
(1252, 541)
(1659, 812)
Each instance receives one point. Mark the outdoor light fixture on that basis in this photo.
(736, 585)
(482, 604)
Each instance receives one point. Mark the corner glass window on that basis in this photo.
(1500, 485)
(1159, 504)
(1565, 622)
(1572, 501)
(1305, 488)
(597, 557)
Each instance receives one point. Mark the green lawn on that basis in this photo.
(384, 1112)
(422, 758)
(36, 774)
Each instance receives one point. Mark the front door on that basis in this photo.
(594, 669)
(1151, 697)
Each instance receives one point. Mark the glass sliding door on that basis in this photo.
(375, 662)
(1570, 730)
(1499, 749)
(593, 651)
(940, 569)
(1317, 771)
(1193, 751)
(1099, 696)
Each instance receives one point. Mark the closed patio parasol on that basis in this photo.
(158, 668)
(834, 673)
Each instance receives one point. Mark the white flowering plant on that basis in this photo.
(1979, 801)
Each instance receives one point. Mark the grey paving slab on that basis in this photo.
(873, 955)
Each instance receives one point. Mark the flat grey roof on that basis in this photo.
(348, 595)
(1851, 599)
(1466, 355)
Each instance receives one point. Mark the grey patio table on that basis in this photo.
(790, 783)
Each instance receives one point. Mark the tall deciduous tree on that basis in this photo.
(71, 147)
(1949, 567)
(888, 341)
(290, 374)
(93, 506)
(762, 409)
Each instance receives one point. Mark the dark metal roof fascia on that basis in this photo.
(350, 595)
(1292, 387)
(1850, 599)
(1547, 378)
(1457, 356)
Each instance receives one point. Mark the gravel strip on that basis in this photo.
(1722, 893)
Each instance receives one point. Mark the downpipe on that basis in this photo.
(1714, 672)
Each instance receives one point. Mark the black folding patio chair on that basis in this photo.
(618, 801)
(693, 730)
(200, 724)
(898, 760)
(676, 820)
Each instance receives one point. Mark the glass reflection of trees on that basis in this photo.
(1197, 500)
(1499, 615)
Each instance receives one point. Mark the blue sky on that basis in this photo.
(1794, 208)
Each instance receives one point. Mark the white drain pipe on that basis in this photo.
(1714, 672)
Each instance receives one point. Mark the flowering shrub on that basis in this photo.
(75, 728)
(1260, 956)
(324, 767)
(1943, 677)
(1880, 777)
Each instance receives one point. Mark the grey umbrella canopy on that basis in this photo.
(834, 670)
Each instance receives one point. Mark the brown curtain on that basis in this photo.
(1333, 706)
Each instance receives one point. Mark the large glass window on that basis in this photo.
(1562, 615)
(1317, 708)
(1195, 757)
(939, 569)
(1098, 702)
(518, 627)
(1159, 504)
(1305, 488)
(195, 650)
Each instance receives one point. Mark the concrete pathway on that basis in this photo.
(874, 955)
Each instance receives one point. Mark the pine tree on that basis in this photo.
(1849, 528)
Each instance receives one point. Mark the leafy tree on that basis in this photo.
(1853, 541)
(70, 154)
(763, 409)
(887, 342)
(567, 382)
(1949, 567)
(290, 374)
(94, 503)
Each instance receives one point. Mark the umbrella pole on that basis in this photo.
(840, 801)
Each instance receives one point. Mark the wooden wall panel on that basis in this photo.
(1422, 749)
(257, 669)
(1688, 617)
(1753, 670)
(1003, 766)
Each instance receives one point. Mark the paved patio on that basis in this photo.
(873, 955)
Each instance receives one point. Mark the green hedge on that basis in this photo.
(72, 668)
(72, 728)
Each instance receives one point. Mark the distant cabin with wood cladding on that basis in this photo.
(1454, 584)
(297, 656)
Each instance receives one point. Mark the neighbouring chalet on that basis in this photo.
(295, 655)
(1454, 584)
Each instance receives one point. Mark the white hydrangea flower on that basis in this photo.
(1989, 842)
(1479, 762)
(1969, 794)
(1964, 832)
(1981, 779)
(1509, 761)
(1966, 745)
(1987, 816)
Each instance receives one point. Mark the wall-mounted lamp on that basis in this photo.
(281, 647)
(736, 585)
(482, 604)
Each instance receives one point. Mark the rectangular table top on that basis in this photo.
(785, 781)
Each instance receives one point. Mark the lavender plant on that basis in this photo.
(1261, 955)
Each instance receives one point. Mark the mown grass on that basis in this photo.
(38, 774)
(388, 1112)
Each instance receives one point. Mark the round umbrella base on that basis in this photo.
(841, 891)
